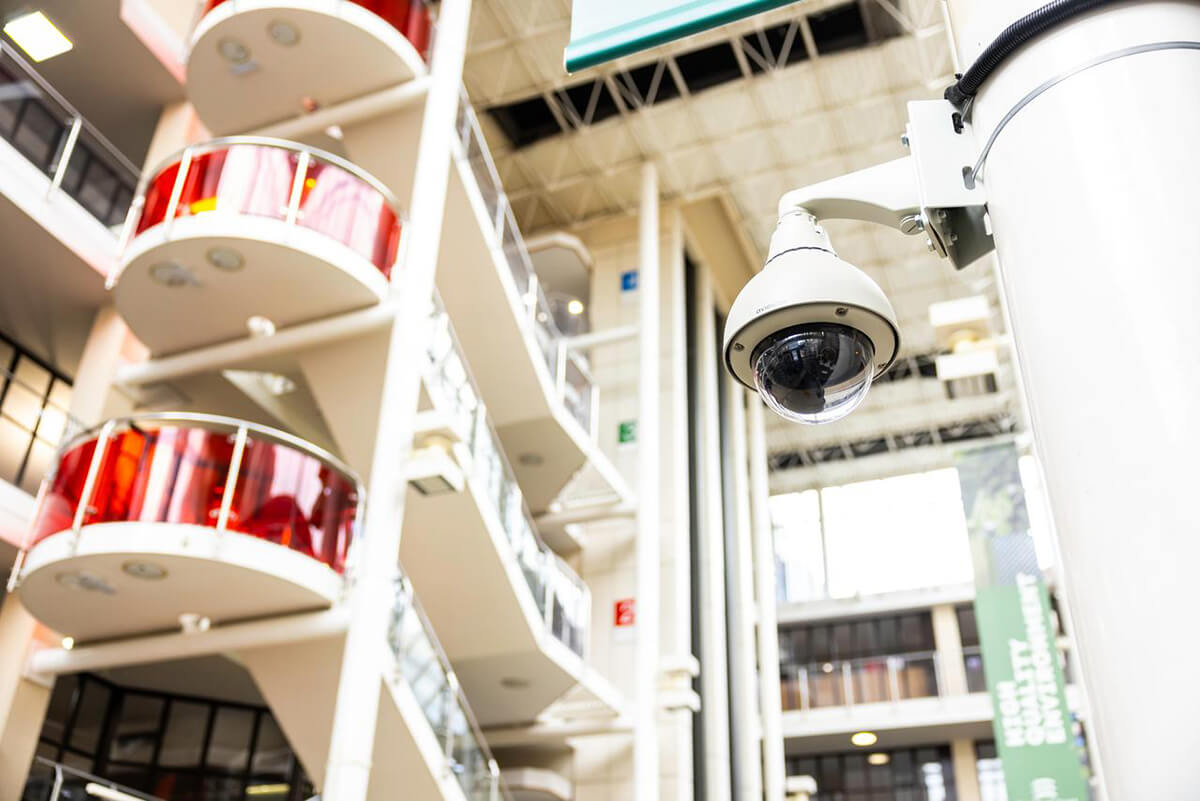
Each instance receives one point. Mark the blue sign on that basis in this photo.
(629, 281)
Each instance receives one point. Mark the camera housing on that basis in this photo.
(810, 332)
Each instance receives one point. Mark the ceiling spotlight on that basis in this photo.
(192, 623)
(575, 307)
(233, 51)
(864, 739)
(278, 384)
(226, 259)
(335, 132)
(827, 667)
(68, 643)
(144, 570)
(173, 275)
(283, 33)
(878, 758)
(37, 36)
(260, 326)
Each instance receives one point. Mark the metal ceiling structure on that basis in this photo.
(744, 113)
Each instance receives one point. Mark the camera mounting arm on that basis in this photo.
(932, 191)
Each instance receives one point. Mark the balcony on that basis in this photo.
(543, 404)
(220, 227)
(515, 619)
(859, 681)
(253, 62)
(142, 519)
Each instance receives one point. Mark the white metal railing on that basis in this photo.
(51, 133)
(561, 596)
(574, 386)
(424, 667)
(868, 680)
(52, 781)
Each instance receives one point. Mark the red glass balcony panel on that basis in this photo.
(259, 180)
(177, 473)
(409, 17)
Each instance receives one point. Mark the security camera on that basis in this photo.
(810, 332)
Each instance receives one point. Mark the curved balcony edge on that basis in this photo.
(251, 63)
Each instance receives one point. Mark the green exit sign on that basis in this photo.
(627, 432)
(602, 30)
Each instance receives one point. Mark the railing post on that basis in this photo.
(235, 466)
(847, 684)
(293, 206)
(185, 164)
(64, 157)
(58, 780)
(805, 694)
(893, 678)
(89, 484)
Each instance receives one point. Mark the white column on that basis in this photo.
(744, 714)
(1092, 197)
(966, 770)
(22, 702)
(353, 736)
(770, 699)
(714, 684)
(90, 401)
(649, 537)
(947, 638)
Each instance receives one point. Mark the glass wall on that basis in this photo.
(33, 416)
(991, 772)
(915, 774)
(174, 747)
(863, 661)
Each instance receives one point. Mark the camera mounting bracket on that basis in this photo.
(931, 190)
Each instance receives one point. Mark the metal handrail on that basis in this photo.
(448, 669)
(60, 769)
(73, 112)
(480, 414)
(232, 424)
(213, 145)
(843, 669)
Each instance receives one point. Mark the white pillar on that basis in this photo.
(353, 737)
(744, 713)
(966, 770)
(22, 702)
(1092, 197)
(90, 401)
(770, 699)
(947, 638)
(649, 537)
(714, 684)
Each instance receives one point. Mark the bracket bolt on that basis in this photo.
(912, 224)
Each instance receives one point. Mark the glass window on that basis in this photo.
(183, 739)
(137, 728)
(272, 758)
(991, 772)
(58, 713)
(89, 717)
(229, 748)
(923, 774)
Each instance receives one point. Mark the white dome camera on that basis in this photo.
(810, 332)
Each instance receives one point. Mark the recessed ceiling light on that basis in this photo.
(575, 307)
(864, 739)
(514, 683)
(233, 51)
(68, 643)
(260, 326)
(827, 667)
(173, 275)
(226, 259)
(37, 36)
(879, 758)
(144, 570)
(530, 459)
(284, 33)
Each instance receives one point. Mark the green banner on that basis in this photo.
(1034, 730)
(602, 30)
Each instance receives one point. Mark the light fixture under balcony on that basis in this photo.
(68, 643)
(144, 570)
(37, 36)
(226, 259)
(173, 275)
(575, 307)
(233, 51)
(864, 739)
(260, 326)
(878, 758)
(193, 623)
(284, 33)
(85, 582)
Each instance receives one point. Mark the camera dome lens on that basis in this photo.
(814, 373)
